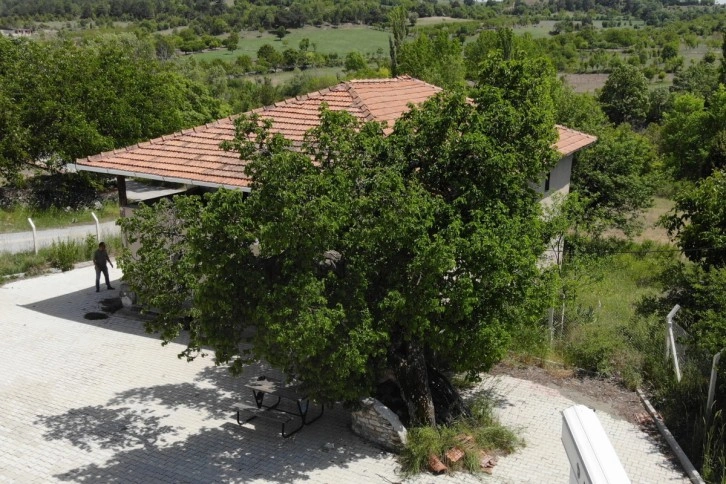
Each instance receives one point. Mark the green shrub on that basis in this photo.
(713, 467)
(479, 433)
(592, 347)
(28, 263)
(61, 255)
(64, 254)
(91, 244)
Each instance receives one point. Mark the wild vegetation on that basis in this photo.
(81, 84)
(62, 254)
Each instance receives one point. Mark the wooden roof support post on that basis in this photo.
(121, 185)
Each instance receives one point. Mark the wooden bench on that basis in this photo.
(245, 413)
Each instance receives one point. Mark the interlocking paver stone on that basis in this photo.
(101, 401)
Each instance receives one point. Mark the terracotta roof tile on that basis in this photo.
(194, 156)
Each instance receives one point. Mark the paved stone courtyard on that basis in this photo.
(100, 401)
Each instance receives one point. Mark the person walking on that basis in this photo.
(100, 257)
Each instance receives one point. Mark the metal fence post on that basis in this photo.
(671, 340)
(35, 235)
(712, 384)
(98, 227)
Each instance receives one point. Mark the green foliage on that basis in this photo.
(602, 330)
(659, 101)
(502, 41)
(592, 347)
(28, 263)
(354, 61)
(616, 179)
(64, 254)
(693, 138)
(435, 60)
(397, 18)
(268, 54)
(701, 293)
(364, 252)
(160, 271)
(713, 467)
(488, 436)
(700, 79)
(579, 111)
(61, 255)
(624, 97)
(698, 221)
(232, 41)
(71, 100)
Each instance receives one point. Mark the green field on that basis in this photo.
(428, 21)
(326, 40)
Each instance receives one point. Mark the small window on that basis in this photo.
(547, 182)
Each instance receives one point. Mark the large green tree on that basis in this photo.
(698, 221)
(435, 59)
(398, 19)
(364, 254)
(624, 97)
(615, 180)
(693, 137)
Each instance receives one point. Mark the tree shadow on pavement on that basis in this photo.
(187, 433)
(490, 393)
(78, 305)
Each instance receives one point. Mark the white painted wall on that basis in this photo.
(559, 181)
(559, 187)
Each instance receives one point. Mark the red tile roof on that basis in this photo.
(194, 157)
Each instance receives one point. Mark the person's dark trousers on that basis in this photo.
(103, 269)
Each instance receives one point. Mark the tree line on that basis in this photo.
(266, 14)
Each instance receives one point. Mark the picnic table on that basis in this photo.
(280, 402)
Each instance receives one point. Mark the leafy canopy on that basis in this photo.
(624, 97)
(698, 221)
(615, 180)
(62, 101)
(362, 252)
(693, 137)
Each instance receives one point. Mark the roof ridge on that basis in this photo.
(434, 86)
(358, 103)
(300, 98)
(382, 80)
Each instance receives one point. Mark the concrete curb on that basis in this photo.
(682, 457)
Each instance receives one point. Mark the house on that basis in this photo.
(193, 157)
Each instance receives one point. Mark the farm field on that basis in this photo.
(325, 40)
(585, 82)
(427, 21)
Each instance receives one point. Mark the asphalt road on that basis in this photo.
(15, 242)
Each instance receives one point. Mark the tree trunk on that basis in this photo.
(412, 377)
(447, 402)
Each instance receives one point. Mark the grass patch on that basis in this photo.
(16, 219)
(61, 255)
(601, 332)
(477, 436)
